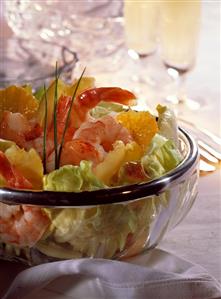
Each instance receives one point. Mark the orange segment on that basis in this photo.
(17, 99)
(141, 125)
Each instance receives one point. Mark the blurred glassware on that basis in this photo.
(179, 31)
(20, 63)
(140, 19)
(90, 28)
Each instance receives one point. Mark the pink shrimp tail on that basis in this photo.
(91, 97)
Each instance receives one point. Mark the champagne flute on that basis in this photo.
(140, 23)
(179, 33)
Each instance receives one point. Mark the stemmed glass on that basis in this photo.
(140, 24)
(179, 33)
(147, 75)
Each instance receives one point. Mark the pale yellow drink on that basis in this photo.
(179, 32)
(140, 17)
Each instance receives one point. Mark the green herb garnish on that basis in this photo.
(55, 116)
(68, 117)
(45, 129)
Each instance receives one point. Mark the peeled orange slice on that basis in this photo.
(141, 125)
(17, 99)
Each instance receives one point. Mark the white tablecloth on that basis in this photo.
(198, 237)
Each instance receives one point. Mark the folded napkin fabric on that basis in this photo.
(154, 275)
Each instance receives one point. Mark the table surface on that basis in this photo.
(198, 237)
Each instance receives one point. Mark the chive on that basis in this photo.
(55, 116)
(45, 129)
(68, 117)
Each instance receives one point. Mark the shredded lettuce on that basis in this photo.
(71, 178)
(161, 157)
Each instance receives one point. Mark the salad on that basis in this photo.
(75, 138)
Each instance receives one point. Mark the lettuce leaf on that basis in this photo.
(167, 123)
(100, 231)
(71, 178)
(162, 157)
(104, 108)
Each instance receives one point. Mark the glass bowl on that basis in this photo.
(20, 58)
(113, 223)
(78, 23)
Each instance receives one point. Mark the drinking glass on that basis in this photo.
(140, 25)
(179, 34)
(141, 19)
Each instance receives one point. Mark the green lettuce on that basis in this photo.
(90, 230)
(71, 178)
(104, 108)
(167, 123)
(162, 156)
(100, 231)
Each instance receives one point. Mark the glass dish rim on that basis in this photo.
(114, 195)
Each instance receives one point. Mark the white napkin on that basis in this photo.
(153, 275)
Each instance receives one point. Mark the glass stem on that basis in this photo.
(181, 88)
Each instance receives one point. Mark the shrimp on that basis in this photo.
(74, 152)
(104, 131)
(28, 134)
(91, 97)
(22, 225)
(16, 127)
(93, 138)
(92, 141)
(13, 127)
(61, 116)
